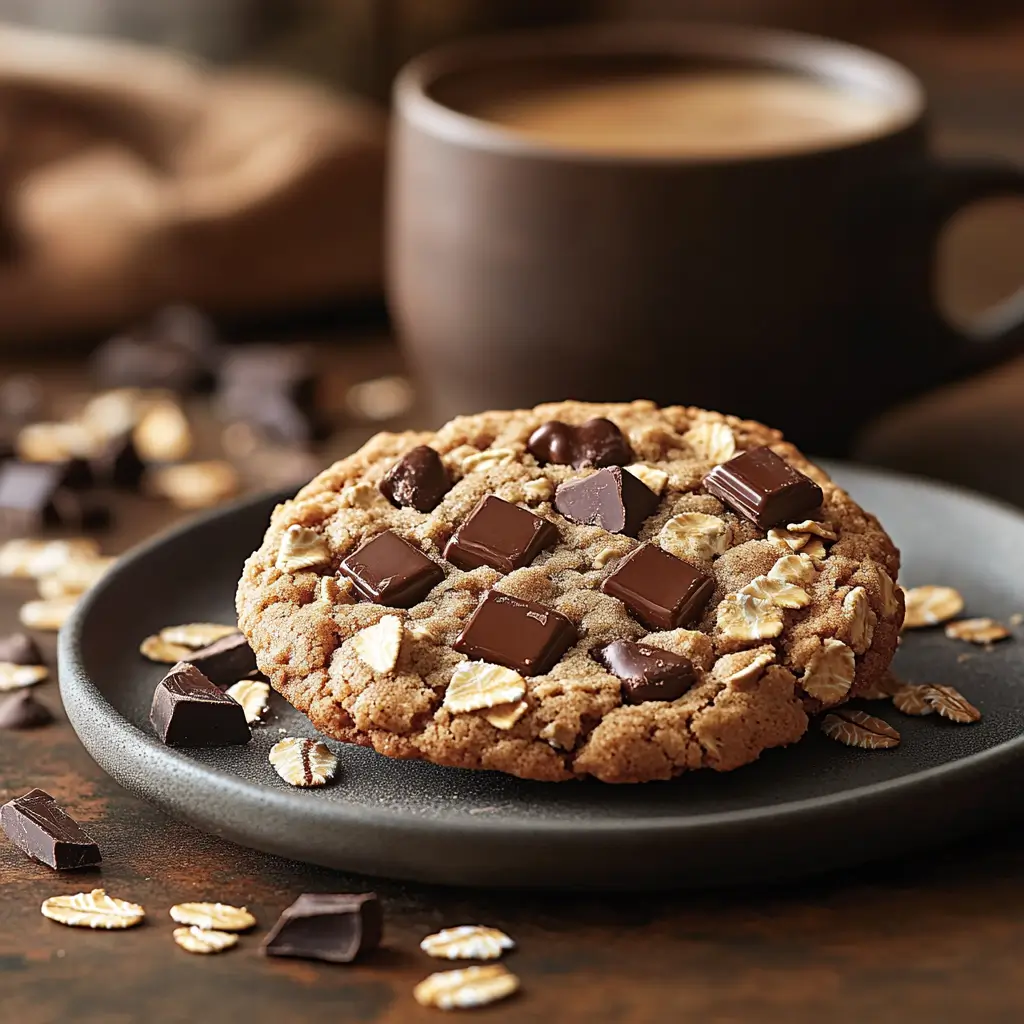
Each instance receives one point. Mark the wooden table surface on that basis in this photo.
(939, 938)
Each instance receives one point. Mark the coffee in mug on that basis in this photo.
(709, 113)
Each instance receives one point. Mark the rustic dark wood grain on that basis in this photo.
(937, 939)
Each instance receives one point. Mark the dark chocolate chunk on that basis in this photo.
(81, 510)
(278, 419)
(647, 673)
(335, 927)
(39, 828)
(22, 710)
(137, 361)
(20, 649)
(117, 463)
(501, 535)
(418, 479)
(662, 591)
(520, 635)
(225, 661)
(764, 488)
(27, 492)
(267, 369)
(598, 442)
(388, 570)
(190, 711)
(612, 498)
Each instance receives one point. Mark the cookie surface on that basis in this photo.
(775, 623)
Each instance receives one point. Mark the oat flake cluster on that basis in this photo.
(777, 620)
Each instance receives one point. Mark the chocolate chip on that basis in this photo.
(390, 571)
(22, 710)
(613, 499)
(598, 442)
(418, 479)
(190, 711)
(335, 927)
(520, 635)
(647, 673)
(764, 488)
(225, 661)
(40, 829)
(20, 649)
(662, 591)
(501, 535)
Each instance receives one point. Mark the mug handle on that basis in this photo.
(998, 335)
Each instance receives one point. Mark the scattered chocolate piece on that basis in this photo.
(277, 418)
(20, 649)
(36, 495)
(662, 591)
(190, 711)
(647, 673)
(598, 442)
(501, 535)
(390, 571)
(118, 464)
(521, 635)
(612, 498)
(764, 488)
(40, 829)
(335, 927)
(21, 710)
(225, 661)
(268, 369)
(418, 479)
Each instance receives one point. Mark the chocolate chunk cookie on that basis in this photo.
(520, 604)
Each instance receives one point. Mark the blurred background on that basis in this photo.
(229, 155)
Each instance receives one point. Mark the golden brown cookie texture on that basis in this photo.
(798, 616)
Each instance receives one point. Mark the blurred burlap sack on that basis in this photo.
(130, 177)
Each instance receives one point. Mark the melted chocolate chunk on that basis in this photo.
(764, 488)
(390, 571)
(40, 829)
(520, 635)
(20, 649)
(598, 442)
(225, 661)
(501, 535)
(190, 711)
(418, 479)
(613, 499)
(21, 710)
(662, 591)
(335, 927)
(647, 673)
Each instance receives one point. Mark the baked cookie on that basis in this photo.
(619, 591)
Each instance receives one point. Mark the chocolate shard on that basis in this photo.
(37, 495)
(225, 661)
(418, 480)
(521, 635)
(20, 649)
(40, 829)
(267, 370)
(611, 498)
(597, 442)
(662, 591)
(647, 673)
(390, 571)
(764, 488)
(118, 464)
(335, 927)
(501, 535)
(190, 711)
(22, 710)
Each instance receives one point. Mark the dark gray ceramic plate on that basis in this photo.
(815, 806)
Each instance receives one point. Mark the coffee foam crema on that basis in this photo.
(713, 113)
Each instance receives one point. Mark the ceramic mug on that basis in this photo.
(795, 287)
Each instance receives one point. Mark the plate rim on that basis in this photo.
(83, 698)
